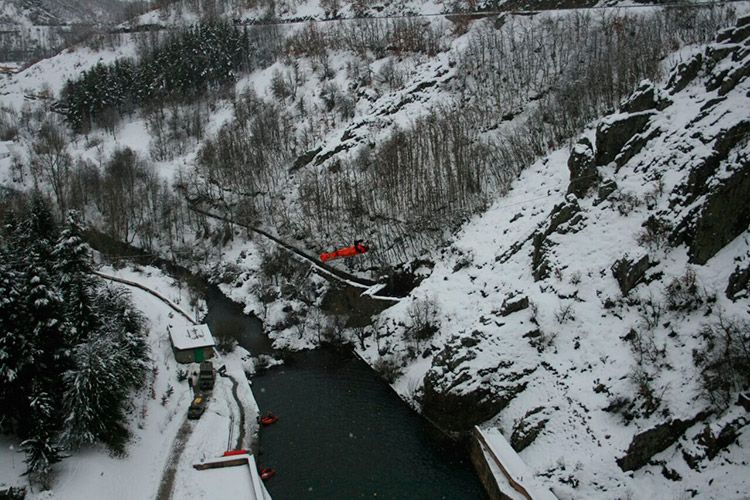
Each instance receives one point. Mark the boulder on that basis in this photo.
(583, 173)
(528, 428)
(514, 303)
(739, 283)
(614, 131)
(646, 96)
(650, 442)
(629, 272)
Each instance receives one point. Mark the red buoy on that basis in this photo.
(269, 419)
(267, 473)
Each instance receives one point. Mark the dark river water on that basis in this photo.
(342, 432)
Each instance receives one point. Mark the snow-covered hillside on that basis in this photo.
(590, 302)
(33, 29)
(577, 314)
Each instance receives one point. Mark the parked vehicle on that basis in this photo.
(207, 376)
(197, 407)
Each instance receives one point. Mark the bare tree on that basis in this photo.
(51, 160)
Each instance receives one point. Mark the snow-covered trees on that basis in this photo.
(73, 265)
(40, 447)
(71, 348)
(185, 66)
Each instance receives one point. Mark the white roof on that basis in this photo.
(242, 482)
(192, 337)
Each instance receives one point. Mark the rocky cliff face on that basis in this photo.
(585, 316)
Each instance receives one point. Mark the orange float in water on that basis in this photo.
(269, 419)
(349, 251)
(267, 473)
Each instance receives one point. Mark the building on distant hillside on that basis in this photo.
(192, 344)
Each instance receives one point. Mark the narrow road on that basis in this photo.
(170, 471)
(241, 436)
(156, 294)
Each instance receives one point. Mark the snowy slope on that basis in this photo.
(564, 356)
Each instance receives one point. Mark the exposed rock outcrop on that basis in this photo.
(514, 303)
(650, 442)
(724, 141)
(606, 188)
(635, 145)
(614, 131)
(528, 428)
(684, 73)
(739, 283)
(583, 173)
(629, 272)
(715, 442)
(304, 159)
(646, 96)
(563, 218)
(724, 216)
(456, 397)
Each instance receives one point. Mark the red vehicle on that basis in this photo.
(350, 251)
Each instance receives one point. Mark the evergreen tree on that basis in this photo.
(38, 231)
(92, 392)
(40, 447)
(17, 352)
(72, 265)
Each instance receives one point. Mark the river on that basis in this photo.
(342, 432)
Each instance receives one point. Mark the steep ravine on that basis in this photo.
(581, 315)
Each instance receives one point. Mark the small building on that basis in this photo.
(193, 344)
